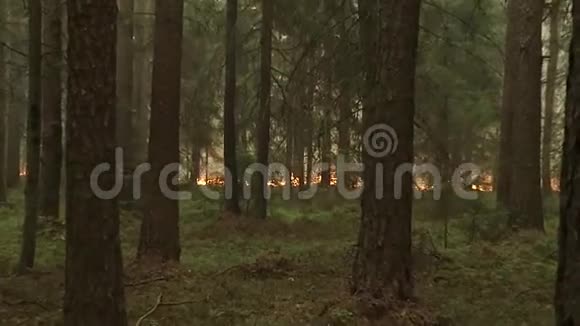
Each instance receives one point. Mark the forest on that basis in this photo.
(305, 162)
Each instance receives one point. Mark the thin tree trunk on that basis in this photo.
(550, 97)
(444, 153)
(3, 108)
(33, 134)
(309, 159)
(16, 116)
(568, 276)
(345, 120)
(141, 79)
(260, 183)
(126, 112)
(232, 205)
(195, 163)
(159, 241)
(382, 267)
(94, 292)
(524, 73)
(125, 109)
(290, 132)
(51, 165)
(14, 137)
(298, 151)
(504, 168)
(325, 149)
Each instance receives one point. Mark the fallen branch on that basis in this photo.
(173, 304)
(227, 270)
(145, 282)
(151, 311)
(158, 304)
(25, 303)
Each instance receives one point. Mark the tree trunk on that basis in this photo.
(345, 120)
(382, 267)
(51, 165)
(325, 148)
(125, 109)
(33, 133)
(3, 108)
(159, 240)
(550, 97)
(232, 205)
(195, 163)
(141, 79)
(298, 147)
(260, 182)
(13, 141)
(94, 292)
(568, 275)
(309, 156)
(444, 153)
(504, 168)
(523, 96)
(16, 116)
(290, 133)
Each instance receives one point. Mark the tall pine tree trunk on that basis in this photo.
(125, 108)
(3, 108)
(523, 97)
(260, 182)
(141, 78)
(94, 292)
(51, 165)
(33, 136)
(550, 97)
(505, 164)
(382, 266)
(567, 297)
(232, 205)
(325, 148)
(159, 241)
(16, 116)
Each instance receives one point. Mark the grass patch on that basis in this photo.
(293, 269)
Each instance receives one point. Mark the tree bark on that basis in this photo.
(523, 95)
(550, 97)
(382, 267)
(260, 182)
(125, 109)
(94, 293)
(326, 148)
(13, 143)
(232, 205)
(16, 114)
(141, 78)
(51, 163)
(3, 108)
(159, 240)
(505, 163)
(33, 136)
(567, 296)
(195, 162)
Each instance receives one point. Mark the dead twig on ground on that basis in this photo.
(25, 303)
(145, 282)
(150, 311)
(160, 303)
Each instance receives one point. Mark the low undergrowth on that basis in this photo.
(293, 269)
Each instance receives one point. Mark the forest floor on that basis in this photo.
(294, 269)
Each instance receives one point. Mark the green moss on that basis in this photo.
(482, 280)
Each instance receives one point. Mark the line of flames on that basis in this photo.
(422, 184)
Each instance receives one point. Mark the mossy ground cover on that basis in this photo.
(293, 269)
